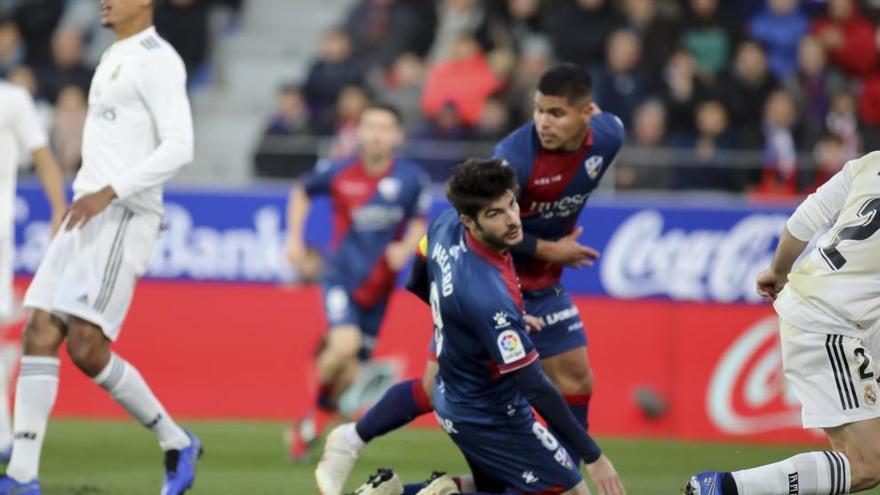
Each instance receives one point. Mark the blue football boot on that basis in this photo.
(180, 467)
(9, 486)
(705, 483)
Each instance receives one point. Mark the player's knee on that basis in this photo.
(344, 344)
(576, 381)
(428, 386)
(89, 355)
(864, 462)
(41, 336)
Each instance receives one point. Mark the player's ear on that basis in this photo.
(467, 221)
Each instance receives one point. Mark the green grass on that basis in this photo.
(121, 458)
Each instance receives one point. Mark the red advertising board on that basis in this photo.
(245, 351)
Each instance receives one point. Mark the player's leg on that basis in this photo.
(400, 405)
(834, 378)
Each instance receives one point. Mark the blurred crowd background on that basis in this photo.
(763, 97)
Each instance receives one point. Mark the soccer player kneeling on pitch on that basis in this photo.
(489, 374)
(829, 320)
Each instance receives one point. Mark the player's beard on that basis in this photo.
(498, 242)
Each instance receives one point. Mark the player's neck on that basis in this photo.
(132, 27)
(577, 142)
(377, 166)
(488, 245)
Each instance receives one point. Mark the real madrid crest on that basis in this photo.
(115, 73)
(870, 395)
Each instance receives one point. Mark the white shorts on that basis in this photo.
(834, 376)
(90, 272)
(6, 260)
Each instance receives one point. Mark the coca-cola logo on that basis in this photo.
(748, 393)
(642, 259)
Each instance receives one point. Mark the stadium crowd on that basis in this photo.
(796, 82)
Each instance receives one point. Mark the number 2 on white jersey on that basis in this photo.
(871, 212)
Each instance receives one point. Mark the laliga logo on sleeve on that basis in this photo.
(593, 165)
(389, 188)
(510, 346)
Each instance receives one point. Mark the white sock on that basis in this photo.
(351, 436)
(128, 388)
(813, 473)
(35, 396)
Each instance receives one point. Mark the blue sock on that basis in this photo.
(412, 488)
(402, 403)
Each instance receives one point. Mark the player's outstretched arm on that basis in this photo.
(546, 399)
(398, 253)
(566, 251)
(771, 281)
(298, 206)
(52, 181)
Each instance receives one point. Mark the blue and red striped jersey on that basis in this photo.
(369, 212)
(555, 186)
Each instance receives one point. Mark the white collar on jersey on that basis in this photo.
(137, 37)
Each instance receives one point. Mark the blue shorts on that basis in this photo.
(340, 309)
(517, 452)
(563, 328)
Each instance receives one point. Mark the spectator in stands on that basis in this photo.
(779, 28)
(580, 28)
(67, 127)
(848, 37)
(494, 123)
(382, 30)
(12, 50)
(352, 102)
(812, 87)
(515, 22)
(67, 65)
(646, 162)
(745, 89)
(184, 24)
(445, 135)
(843, 120)
(659, 33)
(708, 170)
(464, 79)
(455, 18)
(622, 85)
(335, 68)
(829, 156)
(533, 62)
(403, 87)
(291, 118)
(780, 174)
(37, 20)
(681, 89)
(708, 36)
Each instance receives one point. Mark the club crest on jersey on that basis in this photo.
(115, 73)
(389, 188)
(511, 346)
(593, 165)
(501, 320)
(870, 395)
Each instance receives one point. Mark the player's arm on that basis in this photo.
(418, 282)
(398, 253)
(52, 180)
(817, 211)
(298, 207)
(162, 85)
(566, 251)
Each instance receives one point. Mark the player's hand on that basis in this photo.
(82, 210)
(296, 253)
(568, 252)
(769, 284)
(605, 477)
(397, 254)
(56, 220)
(533, 323)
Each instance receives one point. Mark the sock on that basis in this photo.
(129, 390)
(402, 403)
(580, 407)
(812, 473)
(35, 395)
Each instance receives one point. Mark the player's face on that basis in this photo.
(379, 133)
(561, 124)
(498, 224)
(114, 12)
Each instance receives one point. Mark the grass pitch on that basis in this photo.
(249, 458)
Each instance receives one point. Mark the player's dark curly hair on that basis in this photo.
(566, 81)
(477, 182)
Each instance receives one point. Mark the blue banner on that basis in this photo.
(707, 251)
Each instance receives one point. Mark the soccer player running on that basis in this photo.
(829, 319)
(379, 206)
(19, 126)
(137, 135)
(489, 376)
(559, 159)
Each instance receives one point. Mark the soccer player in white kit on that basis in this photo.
(19, 128)
(829, 321)
(138, 134)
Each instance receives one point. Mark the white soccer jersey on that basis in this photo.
(836, 287)
(138, 132)
(19, 127)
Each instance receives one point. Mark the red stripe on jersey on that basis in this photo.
(519, 364)
(351, 189)
(504, 263)
(552, 172)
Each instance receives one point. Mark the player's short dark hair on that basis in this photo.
(387, 107)
(477, 182)
(566, 81)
